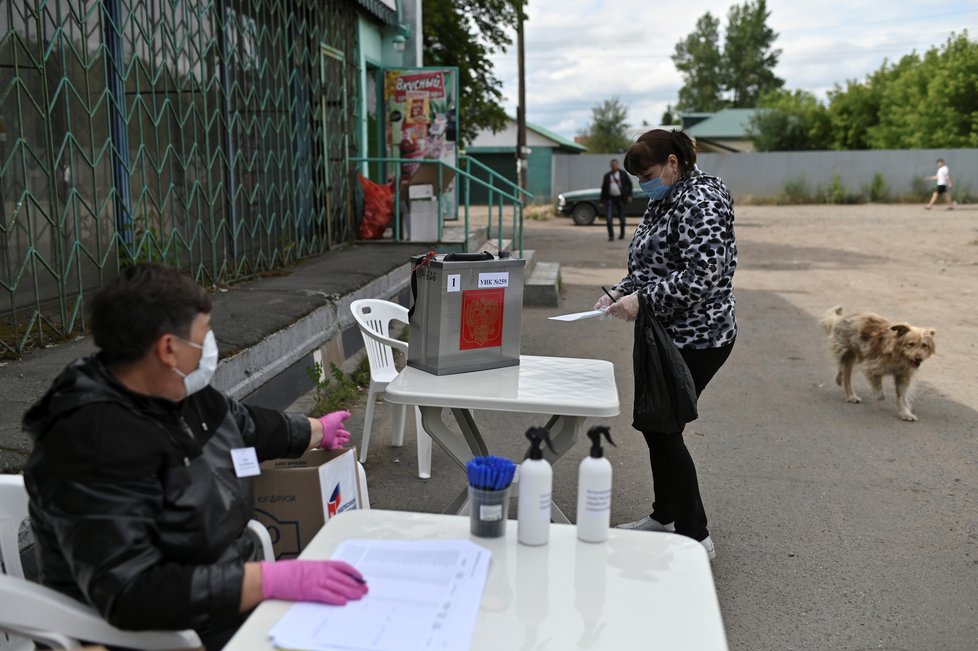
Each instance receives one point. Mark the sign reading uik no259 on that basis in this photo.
(494, 280)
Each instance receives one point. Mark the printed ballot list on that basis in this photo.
(424, 595)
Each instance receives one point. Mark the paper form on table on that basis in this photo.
(423, 594)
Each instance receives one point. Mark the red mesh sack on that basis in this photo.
(378, 206)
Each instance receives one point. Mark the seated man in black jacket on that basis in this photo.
(135, 500)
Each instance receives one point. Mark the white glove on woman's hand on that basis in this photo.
(625, 308)
(604, 301)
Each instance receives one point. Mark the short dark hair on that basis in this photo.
(144, 302)
(653, 148)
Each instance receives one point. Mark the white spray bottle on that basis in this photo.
(535, 490)
(594, 490)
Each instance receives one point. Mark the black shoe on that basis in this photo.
(611, 239)
(621, 237)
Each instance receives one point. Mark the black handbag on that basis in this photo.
(665, 395)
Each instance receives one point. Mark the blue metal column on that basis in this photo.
(112, 11)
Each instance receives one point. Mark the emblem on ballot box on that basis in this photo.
(482, 318)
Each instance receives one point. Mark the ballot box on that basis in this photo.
(467, 312)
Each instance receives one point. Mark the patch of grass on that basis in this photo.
(837, 193)
(877, 191)
(751, 200)
(337, 390)
(538, 212)
(796, 191)
(920, 191)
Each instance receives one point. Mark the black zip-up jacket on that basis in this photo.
(134, 500)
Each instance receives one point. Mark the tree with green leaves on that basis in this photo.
(738, 75)
(668, 116)
(790, 121)
(930, 100)
(749, 54)
(605, 134)
(700, 62)
(466, 33)
(853, 111)
(924, 101)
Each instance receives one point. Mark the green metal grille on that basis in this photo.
(212, 135)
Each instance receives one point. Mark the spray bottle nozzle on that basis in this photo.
(536, 436)
(595, 435)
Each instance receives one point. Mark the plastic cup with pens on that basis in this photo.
(489, 481)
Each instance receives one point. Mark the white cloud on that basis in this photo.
(582, 52)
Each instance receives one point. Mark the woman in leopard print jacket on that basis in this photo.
(682, 257)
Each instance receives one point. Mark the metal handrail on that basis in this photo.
(493, 174)
(494, 192)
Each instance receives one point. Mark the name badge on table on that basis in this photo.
(245, 462)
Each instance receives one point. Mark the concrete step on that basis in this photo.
(542, 286)
(494, 247)
(453, 237)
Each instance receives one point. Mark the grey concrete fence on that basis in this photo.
(886, 174)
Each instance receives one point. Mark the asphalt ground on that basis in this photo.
(837, 526)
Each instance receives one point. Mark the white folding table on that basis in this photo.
(638, 590)
(567, 389)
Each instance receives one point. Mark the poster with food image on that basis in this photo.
(421, 114)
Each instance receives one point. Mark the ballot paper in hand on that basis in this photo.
(423, 594)
(577, 316)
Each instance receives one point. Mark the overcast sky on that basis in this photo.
(581, 52)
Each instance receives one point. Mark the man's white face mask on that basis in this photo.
(201, 376)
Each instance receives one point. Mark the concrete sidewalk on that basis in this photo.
(269, 331)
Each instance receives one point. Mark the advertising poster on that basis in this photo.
(421, 113)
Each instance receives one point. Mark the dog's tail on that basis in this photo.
(830, 318)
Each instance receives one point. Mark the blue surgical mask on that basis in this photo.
(655, 188)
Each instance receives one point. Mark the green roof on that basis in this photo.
(560, 140)
(728, 123)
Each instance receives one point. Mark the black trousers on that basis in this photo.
(677, 491)
(610, 207)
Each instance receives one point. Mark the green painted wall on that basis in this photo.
(537, 173)
(503, 164)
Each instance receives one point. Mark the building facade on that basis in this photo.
(210, 135)
(498, 152)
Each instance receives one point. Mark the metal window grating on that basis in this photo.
(211, 135)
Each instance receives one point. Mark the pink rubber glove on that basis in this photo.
(334, 436)
(625, 308)
(326, 582)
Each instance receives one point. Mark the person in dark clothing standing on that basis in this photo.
(137, 500)
(616, 192)
(682, 258)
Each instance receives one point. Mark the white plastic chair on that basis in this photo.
(374, 317)
(35, 612)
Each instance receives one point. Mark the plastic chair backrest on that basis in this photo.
(39, 613)
(13, 512)
(374, 317)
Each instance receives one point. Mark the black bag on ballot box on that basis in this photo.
(665, 395)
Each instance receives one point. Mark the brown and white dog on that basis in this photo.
(883, 347)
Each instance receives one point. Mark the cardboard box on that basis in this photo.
(294, 498)
(427, 174)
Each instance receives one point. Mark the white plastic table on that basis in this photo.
(638, 590)
(567, 389)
